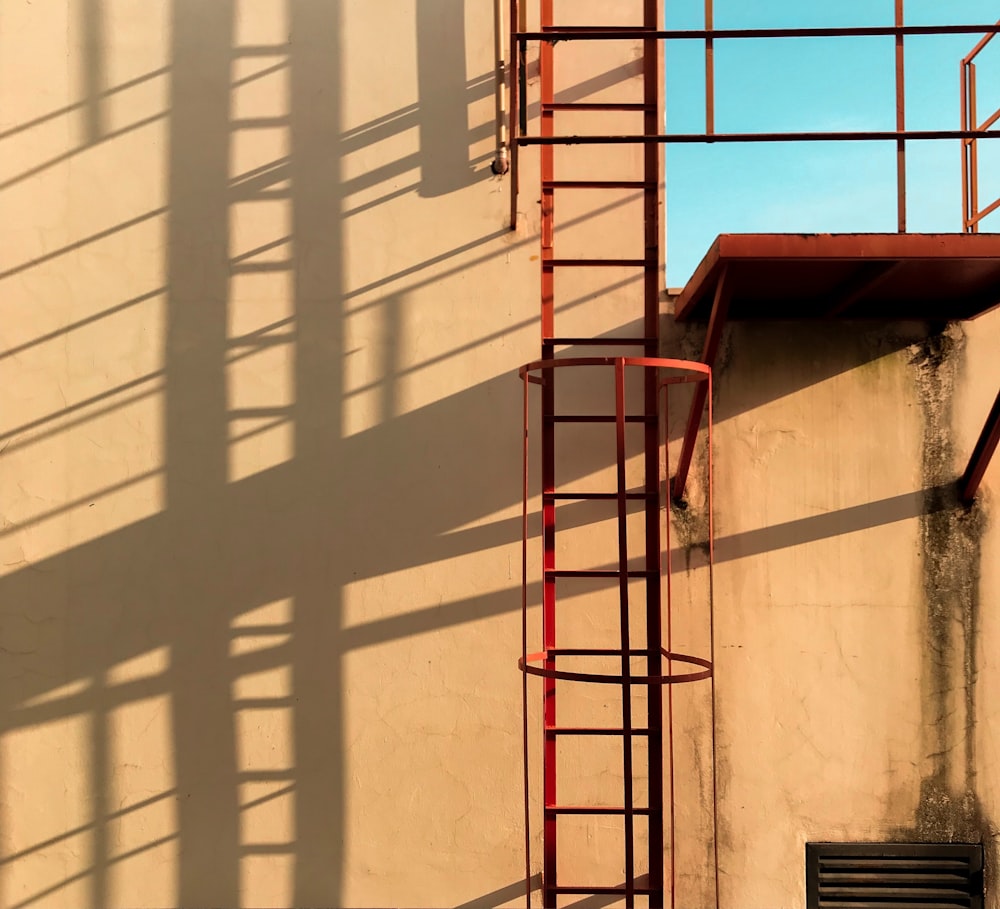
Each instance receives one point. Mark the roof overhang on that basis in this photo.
(847, 276)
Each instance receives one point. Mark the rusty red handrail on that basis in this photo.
(970, 133)
(972, 214)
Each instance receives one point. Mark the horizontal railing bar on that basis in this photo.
(693, 138)
(626, 33)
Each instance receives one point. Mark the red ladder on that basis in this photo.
(544, 663)
(649, 344)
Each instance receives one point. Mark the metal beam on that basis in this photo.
(981, 455)
(720, 310)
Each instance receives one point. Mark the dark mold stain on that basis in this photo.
(950, 539)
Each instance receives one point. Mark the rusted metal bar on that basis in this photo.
(603, 33)
(711, 636)
(987, 38)
(971, 214)
(916, 135)
(973, 150)
(716, 322)
(546, 62)
(987, 123)
(524, 642)
(653, 82)
(986, 446)
(992, 207)
(670, 662)
(966, 199)
(597, 678)
(625, 633)
(900, 121)
(709, 69)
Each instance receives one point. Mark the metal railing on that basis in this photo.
(970, 133)
(972, 214)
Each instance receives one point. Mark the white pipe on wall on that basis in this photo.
(501, 163)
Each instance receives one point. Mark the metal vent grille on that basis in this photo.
(893, 876)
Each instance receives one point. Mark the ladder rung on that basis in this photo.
(598, 418)
(598, 263)
(596, 106)
(586, 730)
(597, 651)
(600, 891)
(598, 496)
(601, 342)
(598, 184)
(597, 573)
(596, 809)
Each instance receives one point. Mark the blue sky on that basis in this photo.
(819, 84)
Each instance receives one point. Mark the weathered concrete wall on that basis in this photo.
(852, 596)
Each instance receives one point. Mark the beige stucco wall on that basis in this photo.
(852, 629)
(260, 315)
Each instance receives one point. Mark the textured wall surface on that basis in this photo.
(851, 597)
(260, 316)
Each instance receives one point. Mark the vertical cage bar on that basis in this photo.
(973, 151)
(625, 635)
(652, 158)
(964, 88)
(524, 646)
(709, 69)
(711, 631)
(670, 647)
(900, 121)
(547, 156)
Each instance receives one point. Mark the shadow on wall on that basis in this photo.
(236, 580)
(223, 614)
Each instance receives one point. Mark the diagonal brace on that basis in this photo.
(716, 322)
(981, 454)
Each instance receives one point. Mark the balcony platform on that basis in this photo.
(937, 277)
